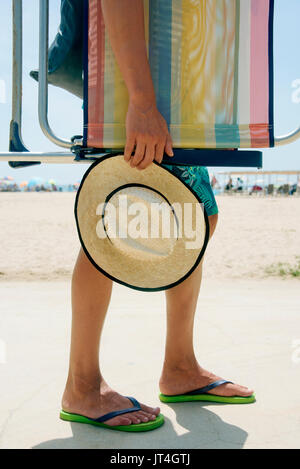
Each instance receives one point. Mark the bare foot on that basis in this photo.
(182, 379)
(95, 401)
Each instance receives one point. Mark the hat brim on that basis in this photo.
(103, 177)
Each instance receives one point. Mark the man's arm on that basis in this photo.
(124, 20)
(145, 126)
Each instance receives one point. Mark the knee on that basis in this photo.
(213, 220)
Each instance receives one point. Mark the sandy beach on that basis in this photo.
(38, 238)
(247, 330)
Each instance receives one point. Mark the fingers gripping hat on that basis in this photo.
(145, 229)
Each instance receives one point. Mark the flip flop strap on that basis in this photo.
(205, 389)
(110, 415)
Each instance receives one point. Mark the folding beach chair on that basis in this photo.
(212, 68)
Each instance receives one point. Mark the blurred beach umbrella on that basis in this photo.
(6, 179)
(52, 182)
(35, 182)
(7, 182)
(23, 183)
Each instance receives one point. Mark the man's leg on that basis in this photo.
(86, 391)
(181, 371)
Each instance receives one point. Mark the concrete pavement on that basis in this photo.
(246, 331)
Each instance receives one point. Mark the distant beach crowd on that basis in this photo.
(241, 186)
(8, 184)
(220, 186)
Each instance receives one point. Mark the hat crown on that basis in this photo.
(139, 221)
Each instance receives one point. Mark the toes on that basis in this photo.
(135, 417)
(144, 416)
(242, 391)
(141, 416)
(147, 416)
(118, 421)
(126, 419)
(150, 410)
(246, 391)
(235, 390)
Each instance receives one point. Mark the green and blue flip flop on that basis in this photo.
(134, 427)
(202, 395)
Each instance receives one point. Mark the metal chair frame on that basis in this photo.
(19, 155)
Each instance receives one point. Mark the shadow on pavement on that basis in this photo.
(200, 428)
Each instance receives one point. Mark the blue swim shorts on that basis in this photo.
(197, 178)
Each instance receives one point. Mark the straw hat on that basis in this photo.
(144, 229)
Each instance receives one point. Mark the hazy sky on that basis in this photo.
(65, 113)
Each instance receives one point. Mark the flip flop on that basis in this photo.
(134, 427)
(201, 395)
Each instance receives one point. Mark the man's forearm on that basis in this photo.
(124, 20)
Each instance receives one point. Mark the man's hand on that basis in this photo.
(147, 130)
